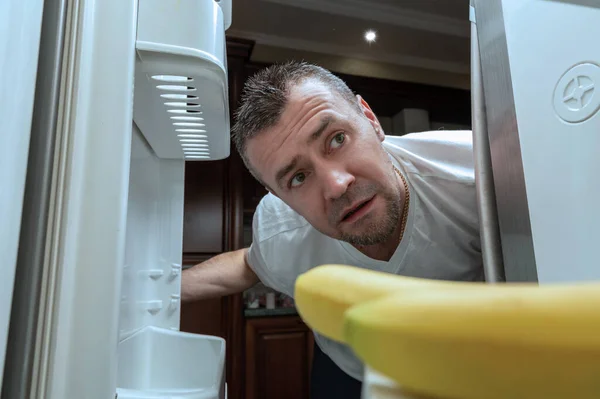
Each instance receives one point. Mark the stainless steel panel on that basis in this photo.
(554, 62)
(491, 246)
(503, 132)
(32, 240)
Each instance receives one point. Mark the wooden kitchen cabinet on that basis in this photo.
(279, 354)
(203, 220)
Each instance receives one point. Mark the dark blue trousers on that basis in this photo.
(328, 381)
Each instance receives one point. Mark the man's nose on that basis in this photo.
(336, 182)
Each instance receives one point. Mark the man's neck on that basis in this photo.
(382, 251)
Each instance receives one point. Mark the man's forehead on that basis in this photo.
(313, 90)
(308, 87)
(300, 113)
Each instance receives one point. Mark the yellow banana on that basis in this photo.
(323, 294)
(525, 343)
(461, 340)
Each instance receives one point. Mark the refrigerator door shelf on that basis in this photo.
(133, 394)
(181, 100)
(151, 289)
(159, 363)
(378, 386)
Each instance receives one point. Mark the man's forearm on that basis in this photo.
(225, 274)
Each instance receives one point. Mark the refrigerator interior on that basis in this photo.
(154, 358)
(180, 113)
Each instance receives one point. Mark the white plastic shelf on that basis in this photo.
(181, 100)
(162, 364)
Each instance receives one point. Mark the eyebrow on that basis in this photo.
(325, 122)
(285, 170)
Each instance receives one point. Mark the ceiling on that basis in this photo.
(423, 41)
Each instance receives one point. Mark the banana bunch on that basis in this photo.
(461, 340)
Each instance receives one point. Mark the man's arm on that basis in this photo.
(225, 274)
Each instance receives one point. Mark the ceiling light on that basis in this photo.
(370, 36)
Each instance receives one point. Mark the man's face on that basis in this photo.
(324, 159)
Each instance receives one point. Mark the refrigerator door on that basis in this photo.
(491, 246)
(64, 336)
(18, 63)
(541, 70)
(79, 310)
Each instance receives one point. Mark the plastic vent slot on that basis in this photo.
(192, 130)
(181, 101)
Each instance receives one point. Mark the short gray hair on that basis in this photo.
(265, 96)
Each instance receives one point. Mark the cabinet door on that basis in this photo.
(204, 207)
(278, 358)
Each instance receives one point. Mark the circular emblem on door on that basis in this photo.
(577, 94)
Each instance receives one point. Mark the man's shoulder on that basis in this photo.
(284, 245)
(446, 154)
(449, 138)
(274, 217)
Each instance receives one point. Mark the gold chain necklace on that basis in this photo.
(406, 204)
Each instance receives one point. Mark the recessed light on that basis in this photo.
(370, 36)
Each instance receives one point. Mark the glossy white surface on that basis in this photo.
(20, 24)
(87, 243)
(84, 308)
(378, 386)
(555, 68)
(181, 93)
(153, 247)
(158, 363)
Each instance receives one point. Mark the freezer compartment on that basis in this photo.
(160, 363)
(181, 92)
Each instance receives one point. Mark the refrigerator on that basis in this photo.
(535, 71)
(102, 104)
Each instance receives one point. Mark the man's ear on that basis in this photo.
(370, 115)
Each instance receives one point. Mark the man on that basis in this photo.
(342, 192)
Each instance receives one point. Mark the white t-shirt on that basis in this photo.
(441, 240)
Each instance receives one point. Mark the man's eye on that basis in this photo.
(297, 180)
(338, 140)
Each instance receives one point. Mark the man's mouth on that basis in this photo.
(357, 211)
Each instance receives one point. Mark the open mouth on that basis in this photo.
(357, 211)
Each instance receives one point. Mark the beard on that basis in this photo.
(369, 231)
(376, 232)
